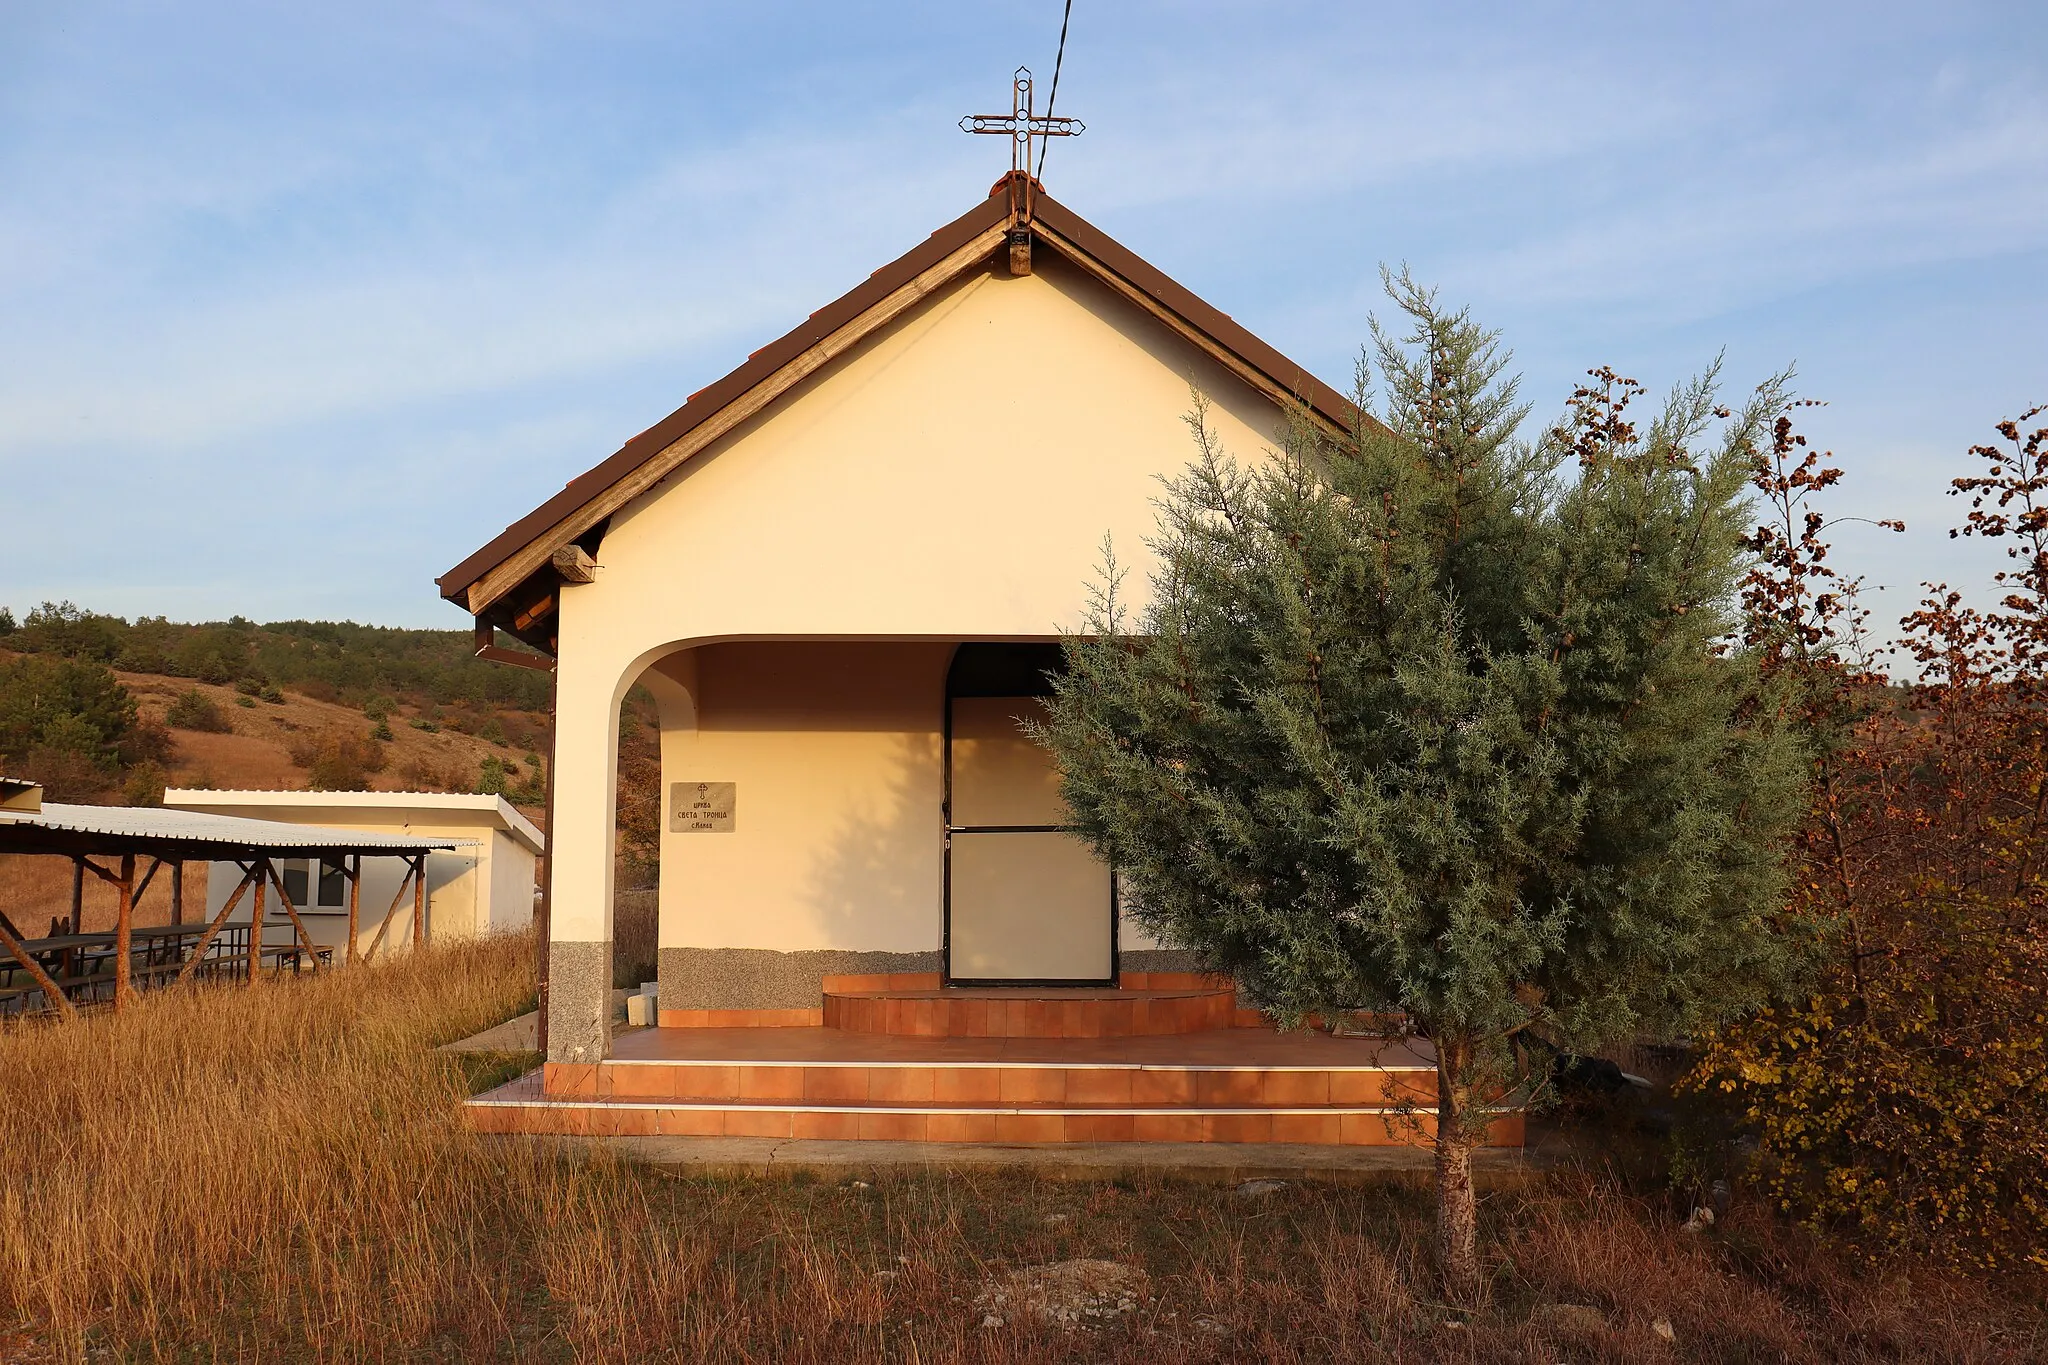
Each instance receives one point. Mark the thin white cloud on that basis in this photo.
(699, 250)
(1805, 216)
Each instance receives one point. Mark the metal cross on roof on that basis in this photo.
(1021, 125)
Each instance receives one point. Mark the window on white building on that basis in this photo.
(295, 881)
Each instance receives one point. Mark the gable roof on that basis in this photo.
(510, 582)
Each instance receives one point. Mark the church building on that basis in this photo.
(842, 571)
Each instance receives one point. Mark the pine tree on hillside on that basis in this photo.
(1442, 721)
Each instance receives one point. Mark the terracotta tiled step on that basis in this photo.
(1004, 1012)
(1261, 1050)
(512, 1109)
(1101, 1085)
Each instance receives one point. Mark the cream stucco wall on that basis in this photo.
(838, 837)
(951, 479)
(837, 750)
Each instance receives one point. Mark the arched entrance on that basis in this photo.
(1026, 901)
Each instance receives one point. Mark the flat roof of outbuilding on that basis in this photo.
(69, 829)
(480, 809)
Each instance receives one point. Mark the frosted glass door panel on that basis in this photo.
(1029, 907)
(999, 776)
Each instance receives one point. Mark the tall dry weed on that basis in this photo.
(222, 1154)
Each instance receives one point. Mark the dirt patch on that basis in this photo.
(1070, 1295)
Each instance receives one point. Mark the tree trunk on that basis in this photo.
(1457, 1210)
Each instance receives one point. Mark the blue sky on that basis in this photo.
(301, 303)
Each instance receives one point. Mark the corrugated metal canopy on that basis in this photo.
(59, 828)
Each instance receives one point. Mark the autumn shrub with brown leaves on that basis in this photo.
(1903, 1104)
(337, 761)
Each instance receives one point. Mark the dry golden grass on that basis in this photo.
(289, 1157)
(282, 1173)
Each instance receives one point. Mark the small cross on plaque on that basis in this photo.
(701, 807)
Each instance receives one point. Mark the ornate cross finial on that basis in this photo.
(1021, 125)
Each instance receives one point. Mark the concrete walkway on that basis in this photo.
(1217, 1162)
(522, 1034)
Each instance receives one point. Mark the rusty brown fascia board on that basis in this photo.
(700, 406)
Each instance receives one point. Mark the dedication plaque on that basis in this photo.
(701, 807)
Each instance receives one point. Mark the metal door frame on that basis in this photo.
(946, 977)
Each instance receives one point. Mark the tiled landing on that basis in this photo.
(1225, 1049)
(1009, 1012)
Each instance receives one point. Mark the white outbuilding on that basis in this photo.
(485, 884)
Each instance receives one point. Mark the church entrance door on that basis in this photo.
(1026, 901)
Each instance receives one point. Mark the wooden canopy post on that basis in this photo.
(177, 891)
(256, 920)
(124, 933)
(124, 918)
(354, 868)
(77, 925)
(419, 900)
(544, 932)
(284, 898)
(213, 929)
(57, 998)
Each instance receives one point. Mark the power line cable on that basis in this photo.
(1054, 97)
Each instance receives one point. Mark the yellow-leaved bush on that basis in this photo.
(1903, 1103)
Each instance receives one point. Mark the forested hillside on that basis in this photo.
(99, 708)
(329, 660)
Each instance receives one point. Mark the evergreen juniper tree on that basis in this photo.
(1441, 720)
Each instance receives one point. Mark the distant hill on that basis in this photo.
(266, 746)
(101, 708)
(331, 660)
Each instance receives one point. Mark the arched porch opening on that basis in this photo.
(829, 807)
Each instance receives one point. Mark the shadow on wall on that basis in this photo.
(876, 879)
